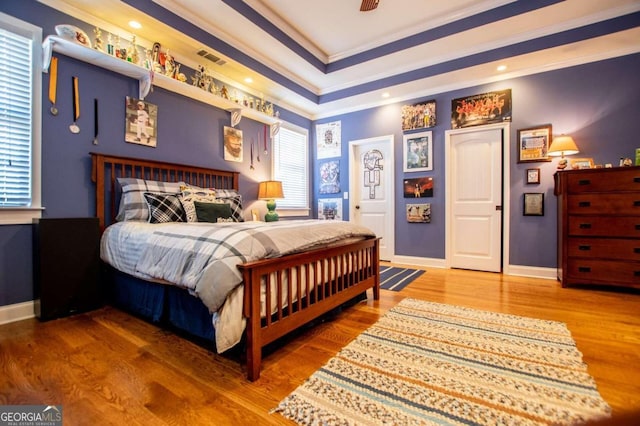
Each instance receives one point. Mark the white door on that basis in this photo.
(371, 188)
(475, 198)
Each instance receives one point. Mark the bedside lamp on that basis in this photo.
(561, 146)
(270, 190)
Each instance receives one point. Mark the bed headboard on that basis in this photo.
(105, 169)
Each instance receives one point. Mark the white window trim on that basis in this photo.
(25, 215)
(300, 211)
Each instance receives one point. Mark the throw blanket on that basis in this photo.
(203, 257)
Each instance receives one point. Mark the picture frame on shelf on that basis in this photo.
(533, 144)
(417, 152)
(533, 176)
(533, 204)
(581, 163)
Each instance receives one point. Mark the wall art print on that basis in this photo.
(477, 110)
(141, 122)
(328, 139)
(232, 144)
(330, 177)
(330, 209)
(419, 213)
(417, 152)
(419, 116)
(418, 187)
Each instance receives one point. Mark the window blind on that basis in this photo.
(15, 119)
(291, 165)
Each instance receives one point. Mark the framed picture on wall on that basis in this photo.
(533, 204)
(417, 152)
(533, 144)
(533, 176)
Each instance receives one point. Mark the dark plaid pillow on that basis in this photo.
(234, 199)
(164, 208)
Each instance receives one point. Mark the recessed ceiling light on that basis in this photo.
(501, 68)
(248, 80)
(135, 24)
(386, 95)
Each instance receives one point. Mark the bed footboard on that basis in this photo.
(334, 276)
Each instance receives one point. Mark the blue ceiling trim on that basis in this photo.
(578, 34)
(489, 16)
(180, 24)
(261, 22)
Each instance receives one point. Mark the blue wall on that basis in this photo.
(595, 103)
(591, 102)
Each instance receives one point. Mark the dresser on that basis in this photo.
(599, 226)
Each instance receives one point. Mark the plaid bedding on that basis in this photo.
(202, 257)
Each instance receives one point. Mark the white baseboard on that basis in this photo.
(16, 312)
(419, 261)
(532, 271)
(519, 270)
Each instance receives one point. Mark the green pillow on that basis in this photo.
(213, 212)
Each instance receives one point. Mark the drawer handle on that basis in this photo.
(584, 269)
(584, 247)
(636, 203)
(636, 180)
(637, 227)
(636, 250)
(588, 226)
(636, 273)
(584, 182)
(584, 204)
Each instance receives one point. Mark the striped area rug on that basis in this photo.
(397, 278)
(429, 363)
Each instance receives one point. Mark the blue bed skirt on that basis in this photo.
(174, 307)
(162, 304)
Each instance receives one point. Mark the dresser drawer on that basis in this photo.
(604, 248)
(604, 226)
(620, 203)
(612, 272)
(623, 179)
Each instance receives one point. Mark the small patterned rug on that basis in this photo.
(430, 363)
(397, 278)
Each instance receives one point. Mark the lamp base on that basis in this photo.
(271, 215)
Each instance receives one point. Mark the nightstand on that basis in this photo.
(66, 266)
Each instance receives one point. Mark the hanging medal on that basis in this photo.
(76, 106)
(53, 85)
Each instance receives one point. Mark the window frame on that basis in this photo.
(283, 209)
(26, 214)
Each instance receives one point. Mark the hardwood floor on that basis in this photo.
(107, 367)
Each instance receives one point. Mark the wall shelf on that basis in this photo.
(144, 76)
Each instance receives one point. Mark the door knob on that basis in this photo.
(357, 207)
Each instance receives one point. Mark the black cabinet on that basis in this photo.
(66, 266)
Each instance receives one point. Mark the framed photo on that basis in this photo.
(581, 163)
(141, 122)
(232, 144)
(533, 144)
(417, 152)
(418, 187)
(533, 204)
(419, 213)
(419, 116)
(533, 176)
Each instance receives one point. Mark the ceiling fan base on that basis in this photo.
(368, 5)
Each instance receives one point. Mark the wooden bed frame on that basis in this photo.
(356, 264)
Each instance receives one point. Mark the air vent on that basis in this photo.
(210, 56)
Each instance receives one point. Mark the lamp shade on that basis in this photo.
(563, 145)
(270, 189)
